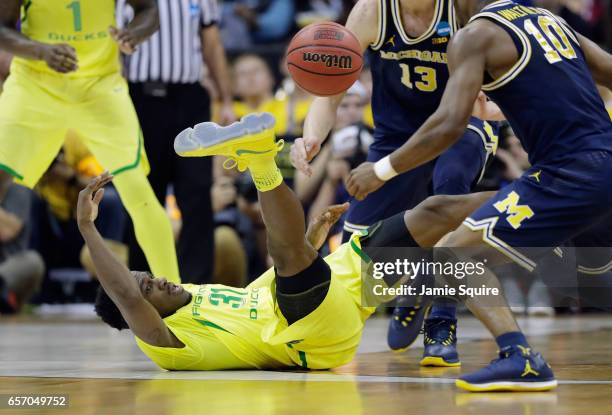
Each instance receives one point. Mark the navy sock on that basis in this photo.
(443, 308)
(512, 338)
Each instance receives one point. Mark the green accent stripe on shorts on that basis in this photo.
(10, 171)
(212, 325)
(303, 359)
(138, 155)
(359, 252)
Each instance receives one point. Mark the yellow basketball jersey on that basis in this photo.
(221, 329)
(228, 328)
(83, 24)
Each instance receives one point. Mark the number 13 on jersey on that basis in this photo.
(426, 78)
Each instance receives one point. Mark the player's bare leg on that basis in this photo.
(251, 144)
(428, 222)
(498, 318)
(303, 277)
(438, 215)
(518, 368)
(285, 228)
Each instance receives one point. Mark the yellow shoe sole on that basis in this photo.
(252, 135)
(437, 362)
(507, 386)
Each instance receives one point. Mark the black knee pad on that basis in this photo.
(389, 232)
(300, 294)
(297, 306)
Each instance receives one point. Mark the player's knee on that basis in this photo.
(460, 237)
(288, 258)
(440, 208)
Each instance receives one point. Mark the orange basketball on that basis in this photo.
(324, 58)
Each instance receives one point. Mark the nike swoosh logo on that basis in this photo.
(241, 152)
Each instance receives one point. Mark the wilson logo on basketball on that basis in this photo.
(335, 61)
(328, 34)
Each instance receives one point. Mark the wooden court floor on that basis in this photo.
(104, 373)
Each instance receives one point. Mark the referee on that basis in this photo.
(164, 76)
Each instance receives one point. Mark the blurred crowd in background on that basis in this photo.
(42, 257)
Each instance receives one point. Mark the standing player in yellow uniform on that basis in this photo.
(66, 76)
(306, 311)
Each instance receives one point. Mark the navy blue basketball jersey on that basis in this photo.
(549, 96)
(409, 74)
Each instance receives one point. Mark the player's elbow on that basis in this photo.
(603, 74)
(128, 299)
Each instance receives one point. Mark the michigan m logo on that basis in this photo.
(516, 213)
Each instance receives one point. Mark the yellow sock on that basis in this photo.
(265, 173)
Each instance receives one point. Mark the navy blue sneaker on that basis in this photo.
(440, 342)
(517, 369)
(405, 325)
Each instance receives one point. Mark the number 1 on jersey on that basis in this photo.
(76, 15)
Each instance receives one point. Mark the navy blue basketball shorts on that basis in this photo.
(456, 171)
(547, 206)
(459, 169)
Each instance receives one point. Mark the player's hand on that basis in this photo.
(487, 110)
(362, 181)
(90, 198)
(302, 152)
(125, 39)
(319, 227)
(59, 57)
(227, 114)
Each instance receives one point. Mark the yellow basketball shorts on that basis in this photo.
(38, 110)
(330, 335)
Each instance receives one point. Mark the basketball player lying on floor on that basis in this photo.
(305, 312)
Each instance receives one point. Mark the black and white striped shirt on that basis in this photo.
(174, 53)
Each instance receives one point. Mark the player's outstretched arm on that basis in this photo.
(363, 22)
(143, 25)
(60, 57)
(466, 61)
(143, 319)
(599, 61)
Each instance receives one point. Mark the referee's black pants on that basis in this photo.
(164, 111)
